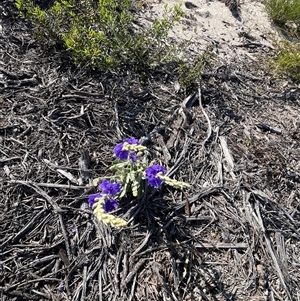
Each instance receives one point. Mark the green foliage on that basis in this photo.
(99, 33)
(129, 174)
(190, 73)
(286, 14)
(284, 11)
(288, 60)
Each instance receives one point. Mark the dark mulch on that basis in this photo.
(233, 236)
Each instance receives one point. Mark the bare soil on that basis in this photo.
(235, 138)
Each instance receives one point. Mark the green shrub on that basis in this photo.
(283, 12)
(286, 14)
(100, 33)
(288, 60)
(190, 73)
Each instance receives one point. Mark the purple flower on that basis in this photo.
(61, 287)
(73, 229)
(131, 140)
(110, 205)
(133, 156)
(93, 197)
(152, 175)
(109, 188)
(124, 154)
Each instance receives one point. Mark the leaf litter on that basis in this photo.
(233, 236)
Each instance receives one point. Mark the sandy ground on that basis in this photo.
(213, 22)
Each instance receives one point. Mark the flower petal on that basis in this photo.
(120, 154)
(109, 188)
(131, 140)
(125, 154)
(92, 198)
(110, 205)
(152, 174)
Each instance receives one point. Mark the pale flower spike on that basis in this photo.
(133, 147)
(107, 218)
(174, 183)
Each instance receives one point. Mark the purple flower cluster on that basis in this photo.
(153, 175)
(124, 154)
(109, 190)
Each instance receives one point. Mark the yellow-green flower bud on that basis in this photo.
(134, 147)
(107, 218)
(174, 183)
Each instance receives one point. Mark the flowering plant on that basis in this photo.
(130, 177)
